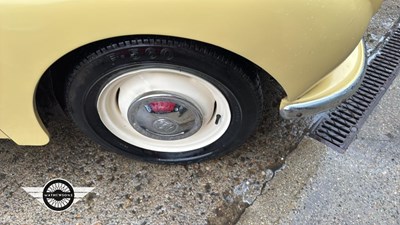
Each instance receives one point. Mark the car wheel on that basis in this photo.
(164, 100)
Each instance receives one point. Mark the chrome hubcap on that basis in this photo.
(165, 117)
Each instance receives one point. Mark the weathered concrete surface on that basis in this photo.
(321, 186)
(363, 185)
(280, 195)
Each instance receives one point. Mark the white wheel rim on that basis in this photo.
(117, 97)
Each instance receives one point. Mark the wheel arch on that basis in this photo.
(53, 79)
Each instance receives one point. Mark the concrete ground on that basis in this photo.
(314, 184)
(321, 186)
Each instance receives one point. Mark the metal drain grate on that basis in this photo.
(339, 127)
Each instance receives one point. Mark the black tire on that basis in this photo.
(242, 91)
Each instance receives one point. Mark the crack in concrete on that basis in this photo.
(264, 185)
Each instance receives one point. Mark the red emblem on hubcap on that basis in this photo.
(162, 107)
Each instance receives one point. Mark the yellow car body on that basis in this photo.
(312, 48)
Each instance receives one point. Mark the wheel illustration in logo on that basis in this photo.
(58, 195)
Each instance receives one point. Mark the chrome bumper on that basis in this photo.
(300, 108)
